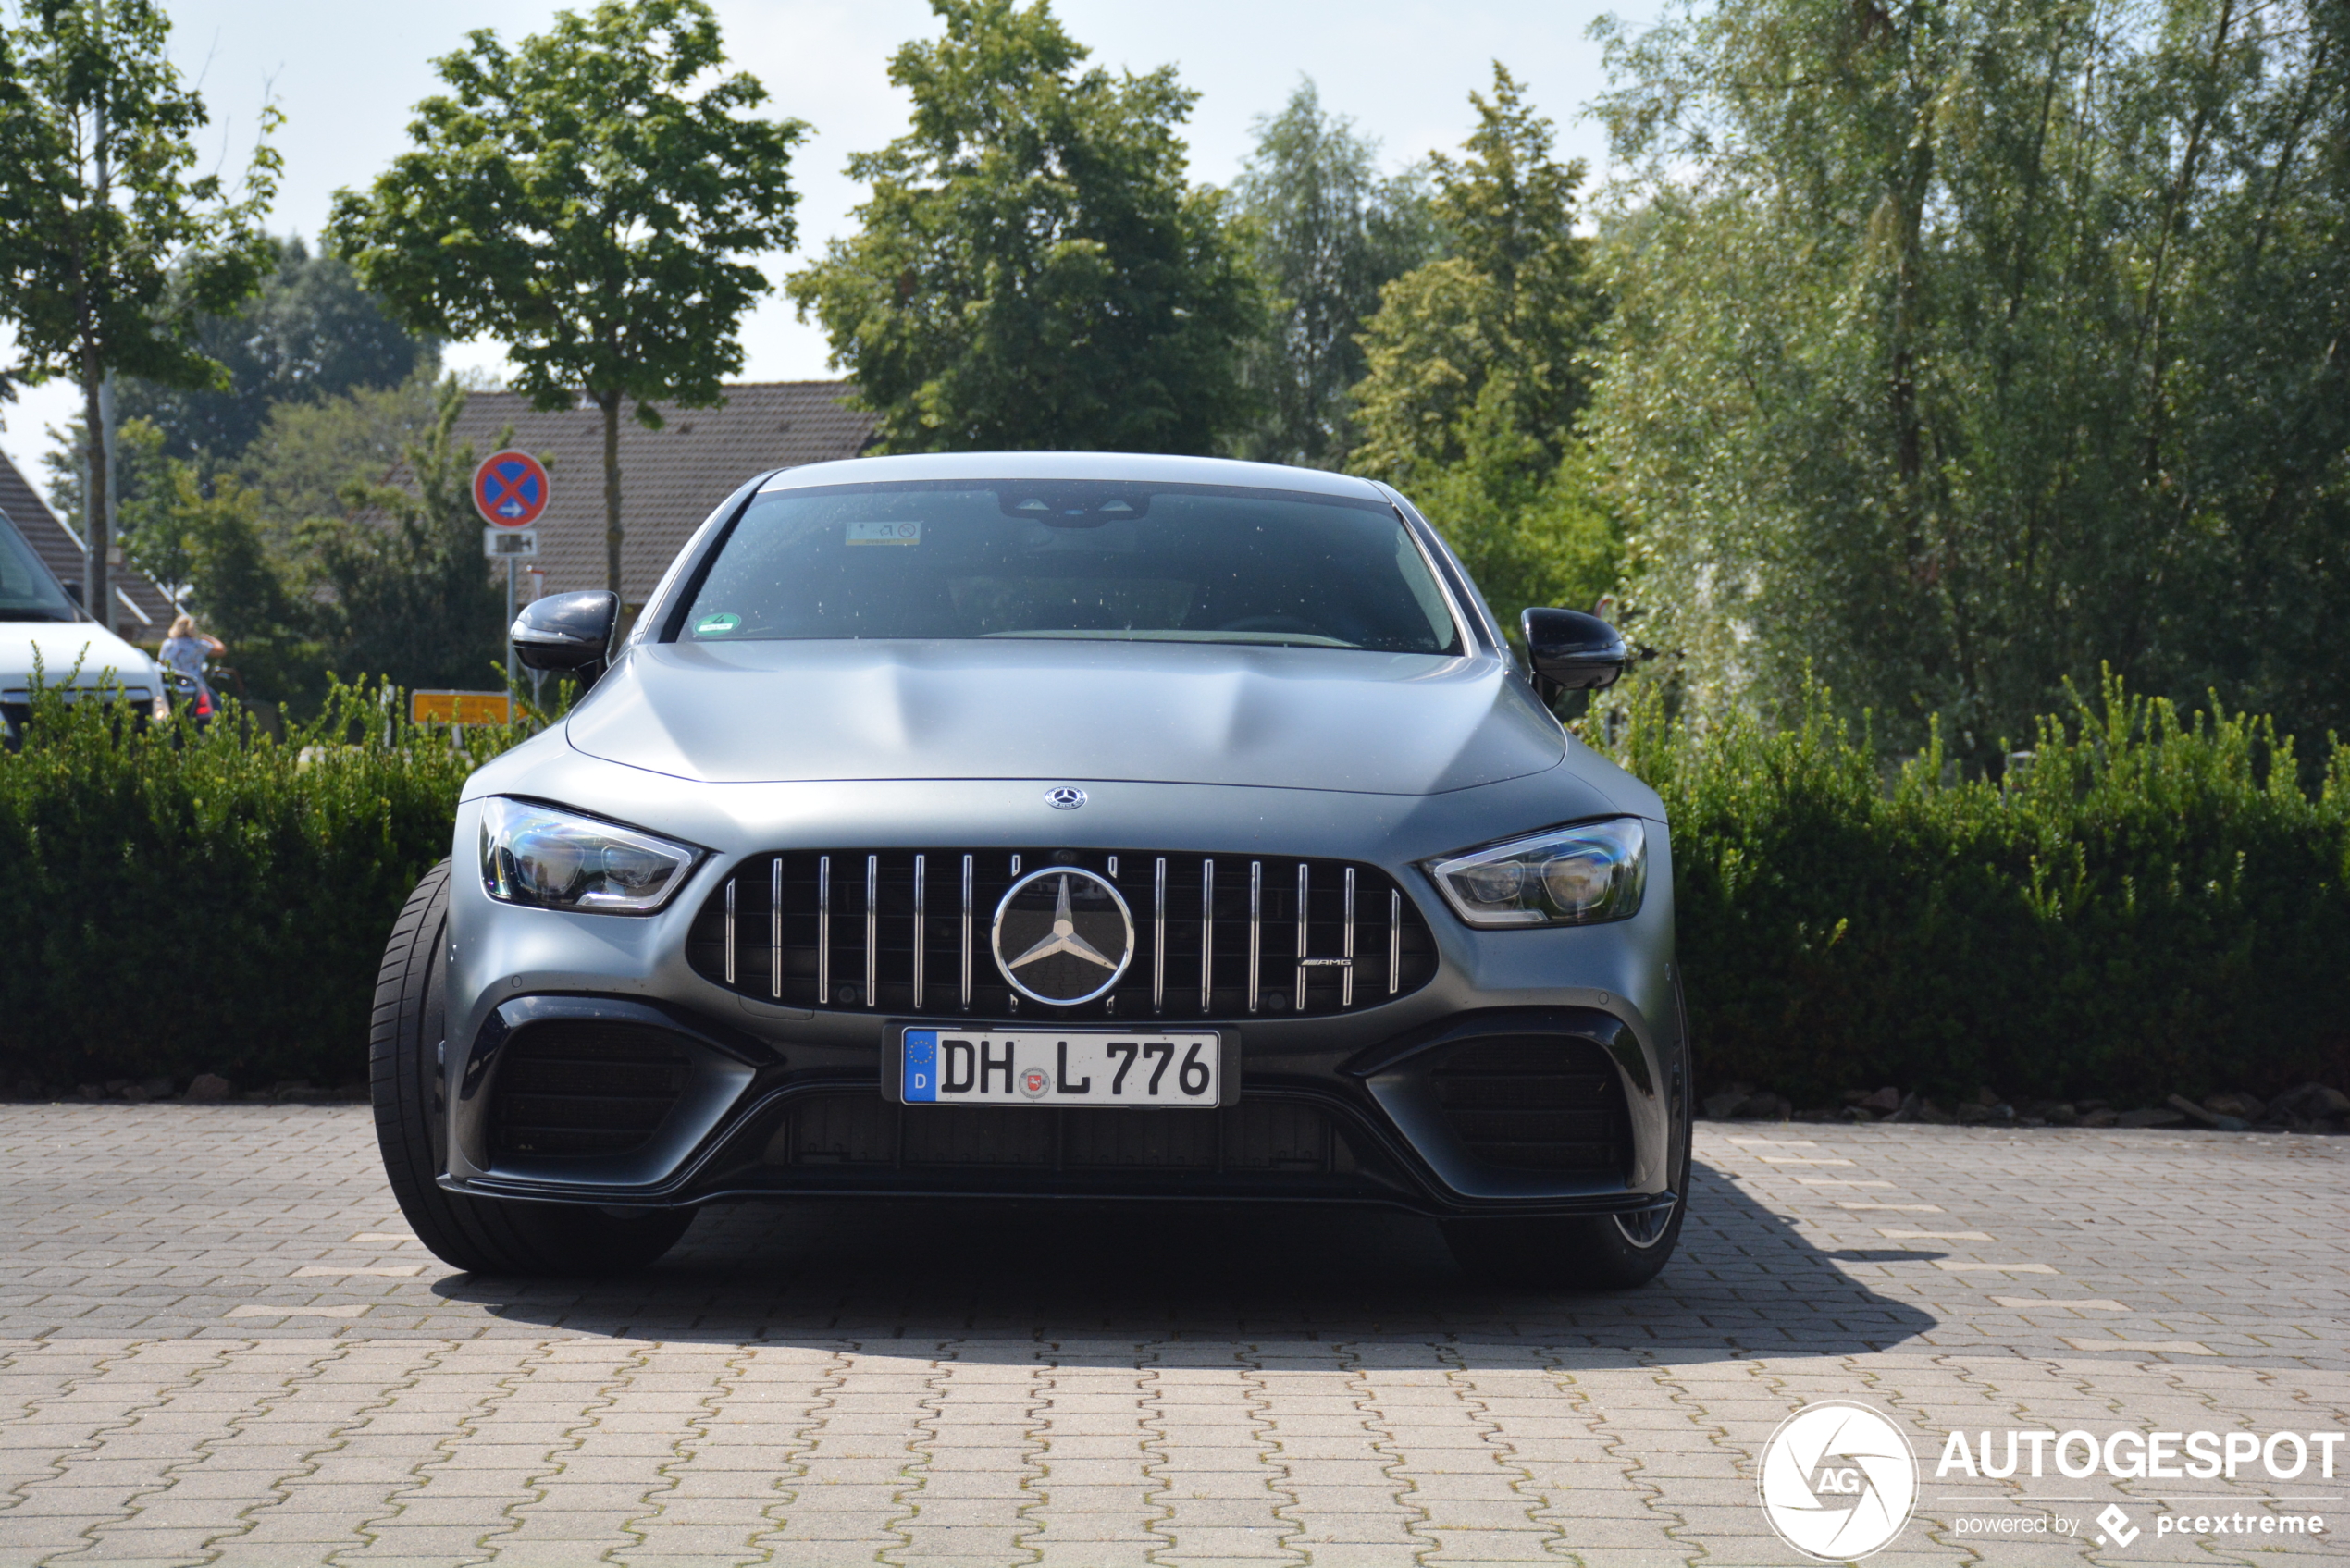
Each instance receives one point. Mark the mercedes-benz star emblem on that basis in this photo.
(1067, 797)
(1063, 936)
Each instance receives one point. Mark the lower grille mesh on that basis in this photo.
(862, 1131)
(1540, 1103)
(585, 1087)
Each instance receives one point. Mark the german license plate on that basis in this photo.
(1062, 1066)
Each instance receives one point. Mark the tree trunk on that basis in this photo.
(98, 584)
(610, 405)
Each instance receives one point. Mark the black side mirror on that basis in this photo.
(1572, 651)
(73, 591)
(571, 633)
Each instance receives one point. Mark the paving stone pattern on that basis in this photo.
(219, 1344)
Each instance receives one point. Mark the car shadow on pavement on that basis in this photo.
(1016, 1281)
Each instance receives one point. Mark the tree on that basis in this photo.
(204, 534)
(1967, 346)
(1477, 369)
(309, 455)
(1033, 269)
(1492, 335)
(582, 199)
(413, 600)
(311, 333)
(1326, 233)
(112, 249)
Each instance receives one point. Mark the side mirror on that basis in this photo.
(571, 633)
(1572, 651)
(73, 591)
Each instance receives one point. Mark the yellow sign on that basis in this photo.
(460, 707)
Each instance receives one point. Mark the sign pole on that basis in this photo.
(510, 621)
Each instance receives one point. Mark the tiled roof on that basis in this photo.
(140, 611)
(670, 478)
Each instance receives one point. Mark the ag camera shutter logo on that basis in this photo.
(1838, 1480)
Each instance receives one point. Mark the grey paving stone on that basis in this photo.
(907, 1383)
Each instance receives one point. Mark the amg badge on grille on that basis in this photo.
(1063, 935)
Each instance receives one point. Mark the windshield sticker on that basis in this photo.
(716, 625)
(885, 533)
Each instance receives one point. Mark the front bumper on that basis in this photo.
(770, 1101)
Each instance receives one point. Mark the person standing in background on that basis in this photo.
(185, 649)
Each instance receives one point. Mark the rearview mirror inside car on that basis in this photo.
(571, 633)
(1572, 651)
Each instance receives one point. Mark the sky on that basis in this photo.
(347, 75)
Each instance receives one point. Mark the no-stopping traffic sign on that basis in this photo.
(510, 489)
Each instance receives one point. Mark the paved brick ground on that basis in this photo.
(218, 1344)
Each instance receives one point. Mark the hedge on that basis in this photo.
(2151, 904)
(182, 901)
(2147, 904)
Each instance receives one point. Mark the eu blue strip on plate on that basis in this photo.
(921, 1065)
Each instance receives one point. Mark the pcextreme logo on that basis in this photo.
(1838, 1480)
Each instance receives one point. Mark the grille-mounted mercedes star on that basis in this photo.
(1047, 825)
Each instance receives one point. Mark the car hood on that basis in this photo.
(61, 646)
(1170, 712)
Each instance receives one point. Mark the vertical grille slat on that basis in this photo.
(1395, 941)
(1304, 904)
(1208, 936)
(1286, 940)
(1158, 939)
(872, 925)
(1256, 927)
(1346, 979)
(921, 875)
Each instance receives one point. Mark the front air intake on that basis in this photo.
(584, 1087)
(903, 931)
(1536, 1102)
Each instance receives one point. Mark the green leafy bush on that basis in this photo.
(182, 902)
(2147, 904)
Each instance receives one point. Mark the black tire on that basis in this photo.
(481, 1235)
(1575, 1253)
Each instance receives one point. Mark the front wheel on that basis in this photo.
(481, 1235)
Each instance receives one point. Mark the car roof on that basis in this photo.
(1144, 467)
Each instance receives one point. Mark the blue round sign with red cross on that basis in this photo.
(510, 489)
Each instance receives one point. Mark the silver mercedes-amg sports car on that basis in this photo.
(1047, 826)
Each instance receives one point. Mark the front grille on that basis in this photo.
(585, 1087)
(867, 1131)
(1547, 1103)
(907, 932)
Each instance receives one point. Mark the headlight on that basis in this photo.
(552, 860)
(1589, 872)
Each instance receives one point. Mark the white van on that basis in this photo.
(40, 623)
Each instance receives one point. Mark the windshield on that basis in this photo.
(1063, 558)
(27, 591)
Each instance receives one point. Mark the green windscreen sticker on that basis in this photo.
(717, 625)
